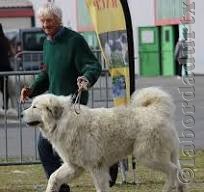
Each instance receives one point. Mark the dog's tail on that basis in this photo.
(153, 97)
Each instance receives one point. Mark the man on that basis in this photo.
(181, 55)
(69, 65)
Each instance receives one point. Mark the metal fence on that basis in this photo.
(33, 60)
(18, 143)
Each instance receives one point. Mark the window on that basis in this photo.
(33, 41)
(147, 37)
(167, 36)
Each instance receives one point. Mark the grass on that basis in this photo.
(30, 178)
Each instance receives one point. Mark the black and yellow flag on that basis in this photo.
(110, 25)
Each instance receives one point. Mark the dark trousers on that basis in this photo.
(179, 69)
(51, 161)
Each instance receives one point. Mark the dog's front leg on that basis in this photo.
(62, 175)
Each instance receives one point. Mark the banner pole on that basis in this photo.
(131, 58)
(130, 39)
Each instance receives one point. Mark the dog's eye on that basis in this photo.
(34, 107)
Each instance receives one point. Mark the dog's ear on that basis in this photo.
(54, 107)
(57, 111)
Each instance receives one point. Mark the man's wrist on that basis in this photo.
(83, 82)
(29, 91)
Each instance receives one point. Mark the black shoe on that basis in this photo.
(64, 188)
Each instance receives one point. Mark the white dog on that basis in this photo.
(97, 138)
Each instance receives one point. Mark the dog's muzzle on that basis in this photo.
(30, 123)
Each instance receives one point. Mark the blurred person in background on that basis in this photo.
(181, 55)
(5, 54)
(69, 65)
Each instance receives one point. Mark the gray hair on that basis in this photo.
(49, 10)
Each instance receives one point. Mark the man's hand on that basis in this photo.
(82, 83)
(25, 93)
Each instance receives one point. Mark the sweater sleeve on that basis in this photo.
(41, 84)
(85, 61)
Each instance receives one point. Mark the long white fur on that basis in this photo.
(97, 138)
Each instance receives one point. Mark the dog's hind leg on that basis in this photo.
(62, 175)
(101, 179)
(181, 187)
(168, 168)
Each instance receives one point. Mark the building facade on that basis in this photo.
(164, 19)
(16, 13)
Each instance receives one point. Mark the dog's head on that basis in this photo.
(45, 111)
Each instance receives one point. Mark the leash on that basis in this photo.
(76, 101)
(82, 83)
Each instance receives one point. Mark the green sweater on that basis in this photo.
(67, 57)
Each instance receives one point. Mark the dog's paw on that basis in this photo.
(51, 189)
(169, 189)
(183, 188)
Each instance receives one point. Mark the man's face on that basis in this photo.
(50, 25)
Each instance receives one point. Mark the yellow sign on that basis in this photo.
(109, 23)
(107, 15)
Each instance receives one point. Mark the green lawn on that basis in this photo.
(30, 178)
